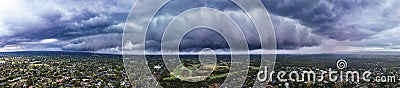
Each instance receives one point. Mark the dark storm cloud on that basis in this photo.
(290, 33)
(97, 25)
(298, 23)
(67, 21)
(339, 19)
(94, 43)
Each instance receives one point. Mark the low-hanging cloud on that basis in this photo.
(94, 43)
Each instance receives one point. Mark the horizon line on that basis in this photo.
(183, 53)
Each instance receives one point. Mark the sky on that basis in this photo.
(301, 26)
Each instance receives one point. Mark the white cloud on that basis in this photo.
(387, 40)
(11, 48)
(44, 41)
(115, 50)
(14, 12)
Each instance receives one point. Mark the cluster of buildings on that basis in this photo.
(62, 71)
(91, 70)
